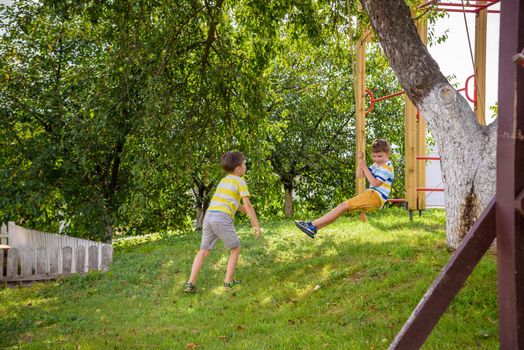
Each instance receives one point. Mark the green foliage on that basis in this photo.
(433, 16)
(370, 276)
(115, 114)
(494, 110)
(54, 168)
(312, 103)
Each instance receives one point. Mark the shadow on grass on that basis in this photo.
(398, 219)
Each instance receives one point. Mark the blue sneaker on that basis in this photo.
(307, 227)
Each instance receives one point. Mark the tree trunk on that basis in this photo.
(108, 238)
(201, 209)
(199, 224)
(467, 149)
(288, 204)
(202, 195)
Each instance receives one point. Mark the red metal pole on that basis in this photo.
(466, 11)
(510, 182)
(425, 189)
(452, 4)
(389, 96)
(372, 98)
(488, 5)
(427, 158)
(371, 101)
(466, 90)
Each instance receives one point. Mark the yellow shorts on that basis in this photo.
(366, 201)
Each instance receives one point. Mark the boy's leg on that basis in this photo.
(225, 231)
(232, 264)
(209, 240)
(197, 264)
(368, 200)
(331, 216)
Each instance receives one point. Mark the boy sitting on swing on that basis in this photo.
(380, 175)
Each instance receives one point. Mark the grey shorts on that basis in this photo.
(218, 225)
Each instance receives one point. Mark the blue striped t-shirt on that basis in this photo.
(384, 173)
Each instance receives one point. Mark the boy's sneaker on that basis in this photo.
(189, 288)
(307, 227)
(231, 284)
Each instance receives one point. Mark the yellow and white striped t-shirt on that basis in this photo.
(228, 194)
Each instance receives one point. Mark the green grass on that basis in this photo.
(370, 277)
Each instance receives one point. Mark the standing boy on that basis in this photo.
(218, 221)
(380, 175)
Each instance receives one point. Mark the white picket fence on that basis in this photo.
(35, 255)
(3, 234)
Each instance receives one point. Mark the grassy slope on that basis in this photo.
(371, 276)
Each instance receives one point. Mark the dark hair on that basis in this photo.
(380, 145)
(230, 160)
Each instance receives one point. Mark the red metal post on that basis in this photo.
(467, 11)
(396, 200)
(372, 98)
(470, 6)
(466, 89)
(426, 189)
(389, 96)
(371, 101)
(510, 178)
(427, 158)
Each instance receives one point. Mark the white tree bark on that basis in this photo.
(467, 149)
(468, 162)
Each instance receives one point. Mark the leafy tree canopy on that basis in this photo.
(115, 113)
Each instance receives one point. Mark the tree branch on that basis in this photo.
(416, 70)
(211, 33)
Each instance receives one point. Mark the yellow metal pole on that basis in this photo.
(360, 99)
(422, 28)
(410, 148)
(410, 129)
(481, 22)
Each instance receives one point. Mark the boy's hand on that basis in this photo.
(256, 231)
(360, 155)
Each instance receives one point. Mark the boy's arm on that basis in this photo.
(363, 166)
(250, 211)
(242, 209)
